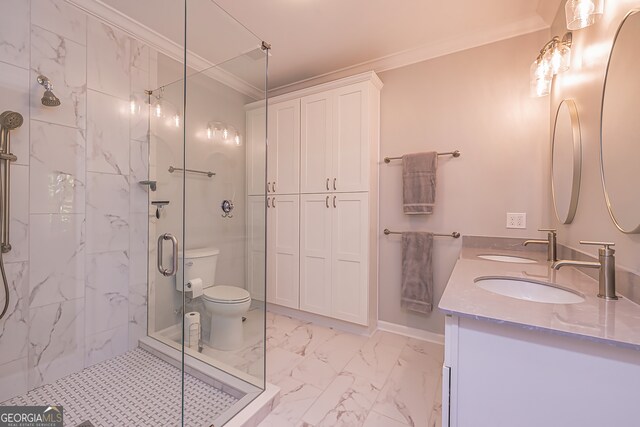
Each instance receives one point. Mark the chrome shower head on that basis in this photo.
(48, 99)
(11, 120)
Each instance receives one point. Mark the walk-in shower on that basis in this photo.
(9, 120)
(104, 166)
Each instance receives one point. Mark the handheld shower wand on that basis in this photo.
(9, 120)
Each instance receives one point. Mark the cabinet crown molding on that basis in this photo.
(369, 76)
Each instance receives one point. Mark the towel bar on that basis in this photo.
(450, 153)
(455, 234)
(208, 173)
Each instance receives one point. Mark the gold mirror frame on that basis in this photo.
(619, 226)
(577, 161)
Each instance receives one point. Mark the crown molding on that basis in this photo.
(157, 41)
(423, 53)
(368, 76)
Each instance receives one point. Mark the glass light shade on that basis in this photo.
(156, 109)
(136, 102)
(582, 13)
(558, 58)
(540, 78)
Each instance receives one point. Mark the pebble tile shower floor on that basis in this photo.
(134, 389)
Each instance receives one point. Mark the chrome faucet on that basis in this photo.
(551, 242)
(607, 265)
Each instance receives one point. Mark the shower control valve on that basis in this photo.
(227, 207)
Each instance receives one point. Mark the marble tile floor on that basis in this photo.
(332, 378)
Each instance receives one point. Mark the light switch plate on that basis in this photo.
(516, 220)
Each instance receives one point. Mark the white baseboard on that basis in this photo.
(319, 320)
(411, 332)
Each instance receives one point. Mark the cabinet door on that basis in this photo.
(256, 247)
(284, 147)
(315, 253)
(256, 151)
(349, 270)
(315, 143)
(284, 250)
(351, 138)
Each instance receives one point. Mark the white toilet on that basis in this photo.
(226, 304)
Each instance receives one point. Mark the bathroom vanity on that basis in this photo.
(510, 361)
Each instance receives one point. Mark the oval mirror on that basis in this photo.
(566, 161)
(620, 127)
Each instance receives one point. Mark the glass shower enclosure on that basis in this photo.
(206, 289)
(136, 277)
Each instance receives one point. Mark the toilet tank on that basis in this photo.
(198, 263)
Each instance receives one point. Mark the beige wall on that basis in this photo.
(476, 101)
(584, 83)
(207, 100)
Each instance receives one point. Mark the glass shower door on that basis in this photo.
(207, 152)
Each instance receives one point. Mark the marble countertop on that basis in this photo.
(612, 322)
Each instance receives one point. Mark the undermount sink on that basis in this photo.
(507, 258)
(528, 290)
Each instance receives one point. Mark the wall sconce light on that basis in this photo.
(582, 13)
(227, 134)
(554, 58)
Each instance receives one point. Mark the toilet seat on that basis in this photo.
(226, 295)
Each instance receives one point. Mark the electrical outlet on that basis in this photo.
(516, 220)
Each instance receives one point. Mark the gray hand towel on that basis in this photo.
(417, 272)
(419, 182)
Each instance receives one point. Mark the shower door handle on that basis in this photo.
(174, 248)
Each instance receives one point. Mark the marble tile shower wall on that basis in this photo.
(78, 268)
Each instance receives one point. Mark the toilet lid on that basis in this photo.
(226, 294)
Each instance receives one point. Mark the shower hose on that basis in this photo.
(4, 274)
(6, 287)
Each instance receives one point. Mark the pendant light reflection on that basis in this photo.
(583, 13)
(554, 58)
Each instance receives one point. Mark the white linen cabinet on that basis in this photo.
(334, 257)
(323, 150)
(336, 140)
(283, 250)
(283, 149)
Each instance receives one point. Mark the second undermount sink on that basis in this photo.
(528, 290)
(507, 258)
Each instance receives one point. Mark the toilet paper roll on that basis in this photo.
(196, 288)
(192, 330)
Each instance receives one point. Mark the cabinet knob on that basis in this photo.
(268, 184)
(334, 183)
(327, 185)
(268, 203)
(273, 202)
(334, 202)
(327, 201)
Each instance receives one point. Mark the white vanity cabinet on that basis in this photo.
(334, 258)
(502, 375)
(322, 175)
